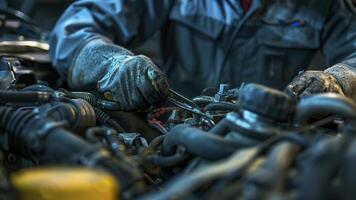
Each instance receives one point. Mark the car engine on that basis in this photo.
(251, 142)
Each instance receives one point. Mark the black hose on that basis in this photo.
(105, 119)
(60, 145)
(324, 104)
(223, 106)
(24, 97)
(222, 128)
(167, 161)
(156, 141)
(92, 135)
(198, 142)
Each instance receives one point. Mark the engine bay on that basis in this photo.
(251, 142)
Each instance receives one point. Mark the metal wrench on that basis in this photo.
(187, 105)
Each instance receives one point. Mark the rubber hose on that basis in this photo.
(167, 161)
(221, 106)
(324, 104)
(198, 142)
(221, 128)
(105, 119)
(24, 97)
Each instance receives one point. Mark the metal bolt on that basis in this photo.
(222, 93)
(223, 88)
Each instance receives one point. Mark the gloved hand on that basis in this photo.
(310, 82)
(339, 79)
(133, 81)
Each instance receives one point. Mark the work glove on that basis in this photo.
(133, 81)
(340, 79)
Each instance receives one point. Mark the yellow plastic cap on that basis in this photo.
(64, 183)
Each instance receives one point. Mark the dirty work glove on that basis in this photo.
(339, 79)
(133, 81)
(310, 82)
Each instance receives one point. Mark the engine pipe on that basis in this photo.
(198, 142)
(24, 97)
(324, 104)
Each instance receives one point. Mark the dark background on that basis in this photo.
(44, 12)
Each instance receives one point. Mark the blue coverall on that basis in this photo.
(206, 42)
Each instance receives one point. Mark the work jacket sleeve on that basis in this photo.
(123, 22)
(339, 44)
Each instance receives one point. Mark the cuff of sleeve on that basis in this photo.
(346, 77)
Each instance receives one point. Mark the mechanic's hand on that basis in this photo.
(135, 82)
(311, 82)
(131, 80)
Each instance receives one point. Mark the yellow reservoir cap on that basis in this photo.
(64, 183)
